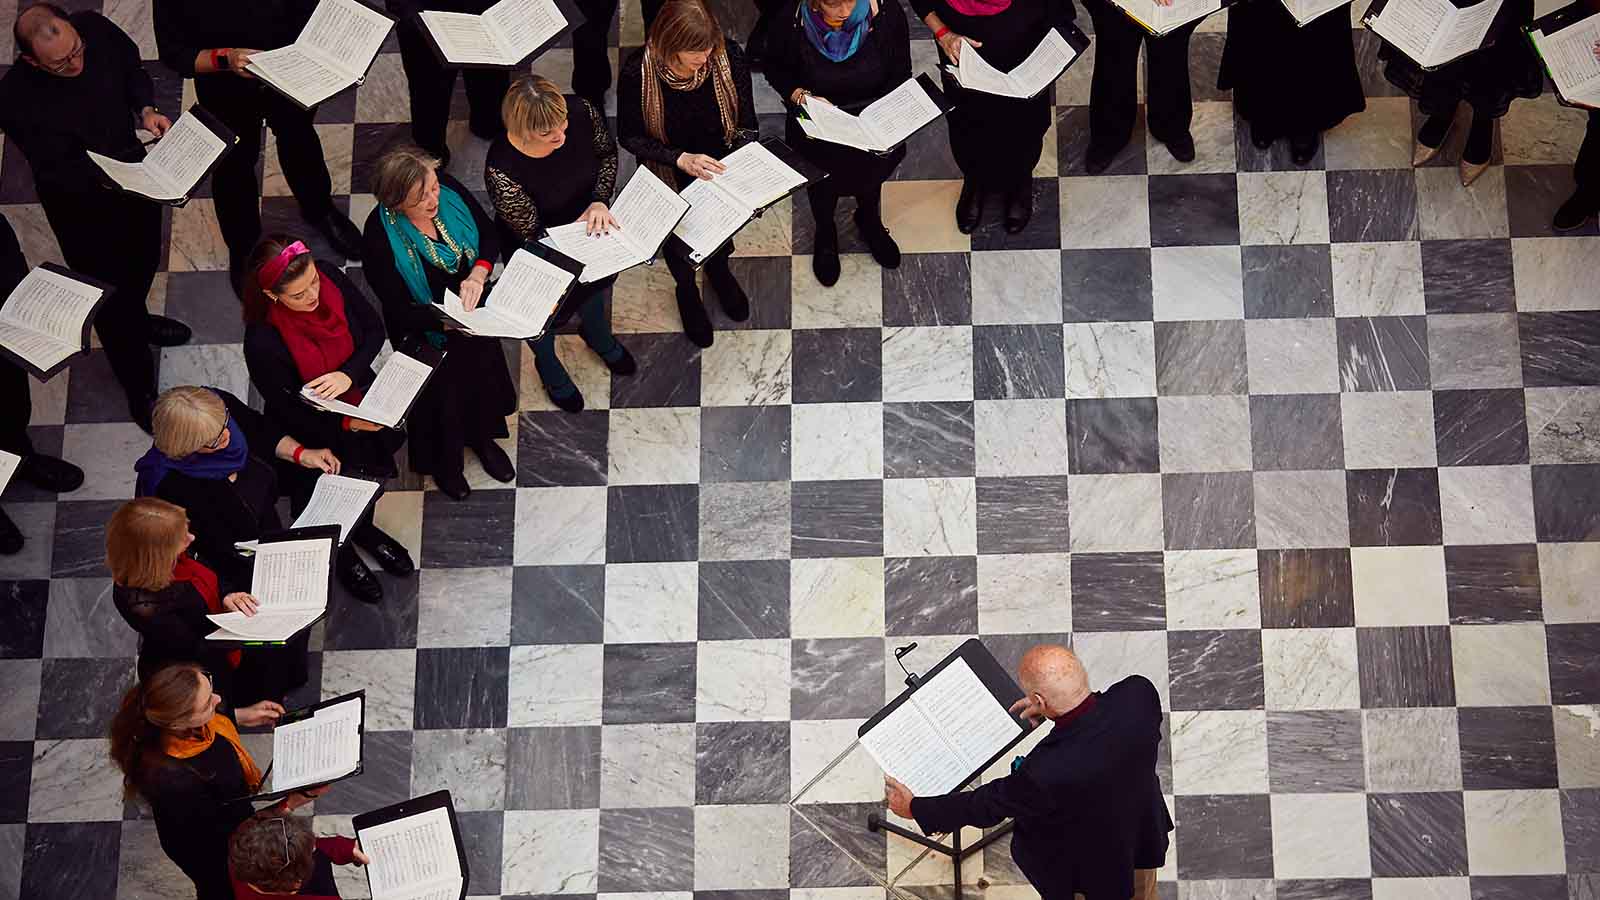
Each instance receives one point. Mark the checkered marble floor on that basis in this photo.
(1316, 450)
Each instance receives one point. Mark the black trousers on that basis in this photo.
(245, 106)
(682, 269)
(115, 237)
(432, 84)
(1586, 171)
(1113, 90)
(16, 409)
(591, 60)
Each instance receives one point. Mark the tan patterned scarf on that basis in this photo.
(658, 73)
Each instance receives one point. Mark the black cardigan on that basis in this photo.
(172, 627)
(197, 805)
(693, 123)
(881, 64)
(185, 27)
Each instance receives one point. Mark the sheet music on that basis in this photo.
(898, 114)
(43, 317)
(1307, 11)
(522, 25)
(1411, 25)
(1182, 12)
(976, 74)
(263, 626)
(948, 728)
(713, 217)
(602, 255)
(390, 396)
(346, 36)
(8, 467)
(1466, 33)
(908, 747)
(414, 857)
(1043, 65)
(297, 73)
(291, 575)
(756, 177)
(136, 177)
(184, 153)
(647, 210)
(464, 37)
(337, 500)
(529, 290)
(317, 749)
(1568, 56)
(827, 122)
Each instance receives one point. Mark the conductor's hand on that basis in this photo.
(264, 713)
(952, 43)
(240, 602)
(700, 165)
(898, 797)
(330, 385)
(597, 219)
(151, 120)
(237, 57)
(322, 460)
(1029, 709)
(472, 287)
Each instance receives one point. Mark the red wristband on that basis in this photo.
(297, 451)
(943, 30)
(216, 58)
(488, 267)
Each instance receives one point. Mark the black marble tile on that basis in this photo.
(352, 625)
(836, 518)
(340, 109)
(669, 372)
(462, 687)
(1566, 502)
(77, 697)
(1224, 836)
(1393, 507)
(16, 179)
(1580, 821)
(79, 550)
(1574, 666)
(93, 393)
(1118, 592)
(1288, 282)
(928, 155)
(1372, 205)
(928, 289)
(744, 599)
(1468, 276)
(1417, 835)
(561, 448)
(1315, 751)
(648, 683)
(1533, 194)
(646, 850)
(1520, 887)
(930, 595)
(1276, 158)
(370, 140)
(1560, 348)
(652, 523)
(1191, 210)
(1017, 362)
(474, 532)
(744, 443)
(558, 604)
(1305, 588)
(1383, 353)
(1373, 83)
(1112, 436)
(1481, 427)
(16, 779)
(1583, 887)
(205, 302)
(741, 762)
(482, 833)
(553, 768)
(1405, 666)
(70, 860)
(1200, 358)
(1044, 226)
(816, 861)
(1208, 510)
(1072, 142)
(1323, 889)
(928, 440)
(1296, 432)
(766, 281)
(1215, 669)
(1112, 285)
(22, 614)
(835, 678)
(838, 365)
(1022, 515)
(1507, 747)
(1493, 583)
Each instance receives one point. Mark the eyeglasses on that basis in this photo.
(217, 441)
(283, 826)
(75, 54)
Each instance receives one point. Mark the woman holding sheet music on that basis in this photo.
(685, 100)
(429, 235)
(847, 53)
(553, 167)
(176, 740)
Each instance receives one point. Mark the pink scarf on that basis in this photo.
(979, 7)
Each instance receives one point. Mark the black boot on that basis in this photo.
(1019, 207)
(692, 310)
(341, 233)
(624, 364)
(165, 332)
(50, 473)
(1574, 212)
(969, 206)
(1303, 147)
(735, 302)
(495, 462)
(453, 484)
(389, 553)
(825, 255)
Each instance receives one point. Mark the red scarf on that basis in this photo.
(204, 581)
(320, 340)
(979, 7)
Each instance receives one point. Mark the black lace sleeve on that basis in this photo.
(605, 150)
(513, 204)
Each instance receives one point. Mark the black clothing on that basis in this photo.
(185, 27)
(996, 141)
(16, 404)
(1264, 43)
(1086, 801)
(466, 401)
(197, 805)
(1586, 169)
(1113, 99)
(1488, 79)
(55, 120)
(591, 55)
(431, 83)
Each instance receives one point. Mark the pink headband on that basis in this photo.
(273, 270)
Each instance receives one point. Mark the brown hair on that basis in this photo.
(256, 301)
(187, 418)
(533, 104)
(273, 852)
(143, 540)
(684, 26)
(397, 172)
(149, 708)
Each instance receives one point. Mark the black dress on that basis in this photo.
(693, 123)
(1488, 79)
(197, 803)
(273, 372)
(1265, 45)
(997, 140)
(466, 402)
(881, 64)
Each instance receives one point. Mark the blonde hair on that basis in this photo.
(186, 419)
(532, 105)
(143, 540)
(400, 169)
(684, 26)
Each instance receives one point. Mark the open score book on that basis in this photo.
(504, 35)
(389, 397)
(882, 126)
(170, 171)
(335, 500)
(947, 729)
(719, 207)
(1032, 75)
(316, 746)
(1158, 19)
(45, 320)
(646, 212)
(521, 303)
(1567, 50)
(333, 52)
(413, 858)
(1432, 32)
(290, 584)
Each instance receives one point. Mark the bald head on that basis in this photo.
(1054, 673)
(45, 38)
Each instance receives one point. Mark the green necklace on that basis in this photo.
(431, 248)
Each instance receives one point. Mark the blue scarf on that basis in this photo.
(154, 465)
(406, 243)
(841, 44)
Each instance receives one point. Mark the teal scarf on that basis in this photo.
(409, 248)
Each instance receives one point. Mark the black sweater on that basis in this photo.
(881, 64)
(197, 805)
(172, 627)
(532, 194)
(1007, 36)
(57, 120)
(185, 27)
(693, 123)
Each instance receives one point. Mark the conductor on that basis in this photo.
(1090, 818)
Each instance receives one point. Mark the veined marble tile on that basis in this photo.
(654, 446)
(1219, 752)
(470, 763)
(196, 244)
(1212, 129)
(1567, 575)
(1551, 274)
(1500, 665)
(388, 676)
(837, 441)
(742, 762)
(1283, 208)
(856, 301)
(19, 706)
(747, 368)
(82, 622)
(1478, 350)
(1205, 434)
(1563, 424)
(1457, 888)
(33, 230)
(555, 684)
(550, 851)
(1110, 359)
(1103, 211)
(929, 517)
(643, 301)
(134, 18)
(1541, 132)
(1292, 356)
(1577, 732)
(651, 602)
(742, 681)
(1211, 589)
(1388, 429)
(1024, 593)
(1514, 832)
(1021, 437)
(741, 847)
(836, 597)
(1416, 749)
(1311, 668)
(1301, 509)
(212, 365)
(745, 520)
(1112, 513)
(647, 765)
(74, 781)
(337, 144)
(1012, 287)
(1446, 210)
(932, 363)
(1197, 283)
(144, 872)
(1382, 279)
(1486, 504)
(769, 234)
(560, 526)
(106, 453)
(384, 96)
(444, 620)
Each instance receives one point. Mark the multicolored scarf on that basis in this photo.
(838, 41)
(457, 230)
(220, 726)
(657, 73)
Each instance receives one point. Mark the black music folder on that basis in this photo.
(416, 849)
(314, 746)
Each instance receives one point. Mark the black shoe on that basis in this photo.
(454, 485)
(1019, 208)
(1181, 147)
(496, 463)
(1259, 138)
(10, 536)
(696, 324)
(49, 473)
(386, 550)
(622, 365)
(1099, 157)
(825, 259)
(879, 241)
(342, 233)
(165, 332)
(1303, 147)
(572, 402)
(1573, 213)
(357, 578)
(735, 302)
(969, 207)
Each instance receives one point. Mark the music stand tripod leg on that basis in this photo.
(954, 850)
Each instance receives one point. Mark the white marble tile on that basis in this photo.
(1541, 132)
(1567, 576)
(1486, 504)
(550, 851)
(1212, 130)
(770, 233)
(1226, 888)
(33, 230)
(1563, 424)
(1380, 279)
(815, 744)
(588, 372)
(1292, 356)
(134, 17)
(1283, 207)
(1016, 286)
(922, 216)
(646, 602)
(106, 453)
(1310, 668)
(399, 514)
(464, 607)
(19, 703)
(647, 765)
(643, 301)
(555, 684)
(1110, 656)
(74, 781)
(1500, 665)
(741, 847)
(1320, 836)
(560, 526)
(388, 676)
(1024, 593)
(1399, 586)
(747, 368)
(1110, 359)
(1020, 437)
(933, 363)
(836, 598)
(1577, 731)
(1197, 283)
(1105, 211)
(1301, 509)
(654, 446)
(1514, 833)
(836, 440)
(212, 365)
(1555, 273)
(1388, 429)
(742, 681)
(49, 398)
(1440, 888)
(856, 301)
(930, 517)
(1212, 589)
(1448, 211)
(196, 244)
(1412, 749)
(1114, 513)
(1204, 433)
(469, 763)
(1219, 752)
(337, 144)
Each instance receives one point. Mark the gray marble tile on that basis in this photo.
(646, 765)
(443, 620)
(1106, 285)
(559, 448)
(837, 518)
(83, 621)
(1393, 507)
(1477, 350)
(1224, 836)
(461, 687)
(564, 761)
(928, 289)
(1118, 592)
(77, 697)
(1215, 669)
(1468, 276)
(742, 762)
(1208, 510)
(1201, 358)
(471, 764)
(1191, 210)
(79, 550)
(743, 599)
(923, 440)
(835, 860)
(1417, 835)
(1022, 515)
(1558, 349)
(747, 520)
(1482, 427)
(646, 850)
(557, 604)
(648, 683)
(1296, 432)
(1283, 282)
(1564, 502)
(1012, 362)
(1372, 205)
(1315, 751)
(1507, 748)
(69, 859)
(1492, 583)
(1388, 353)
(1406, 667)
(652, 523)
(931, 595)
(836, 678)
(1301, 509)
(1112, 436)
(1306, 588)
(1563, 424)
(744, 444)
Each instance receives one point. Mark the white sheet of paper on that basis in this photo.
(263, 626)
(290, 584)
(337, 500)
(388, 398)
(898, 114)
(1568, 56)
(756, 177)
(297, 73)
(1307, 11)
(529, 290)
(646, 212)
(42, 320)
(317, 749)
(345, 35)
(8, 467)
(1411, 25)
(136, 177)
(975, 73)
(952, 727)
(1035, 73)
(1182, 12)
(1466, 32)
(713, 217)
(827, 122)
(184, 153)
(602, 255)
(522, 25)
(464, 38)
(414, 857)
(908, 747)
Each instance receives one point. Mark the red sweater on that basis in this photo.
(330, 851)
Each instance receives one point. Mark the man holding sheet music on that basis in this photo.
(431, 82)
(1090, 818)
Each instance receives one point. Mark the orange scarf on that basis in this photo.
(186, 747)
